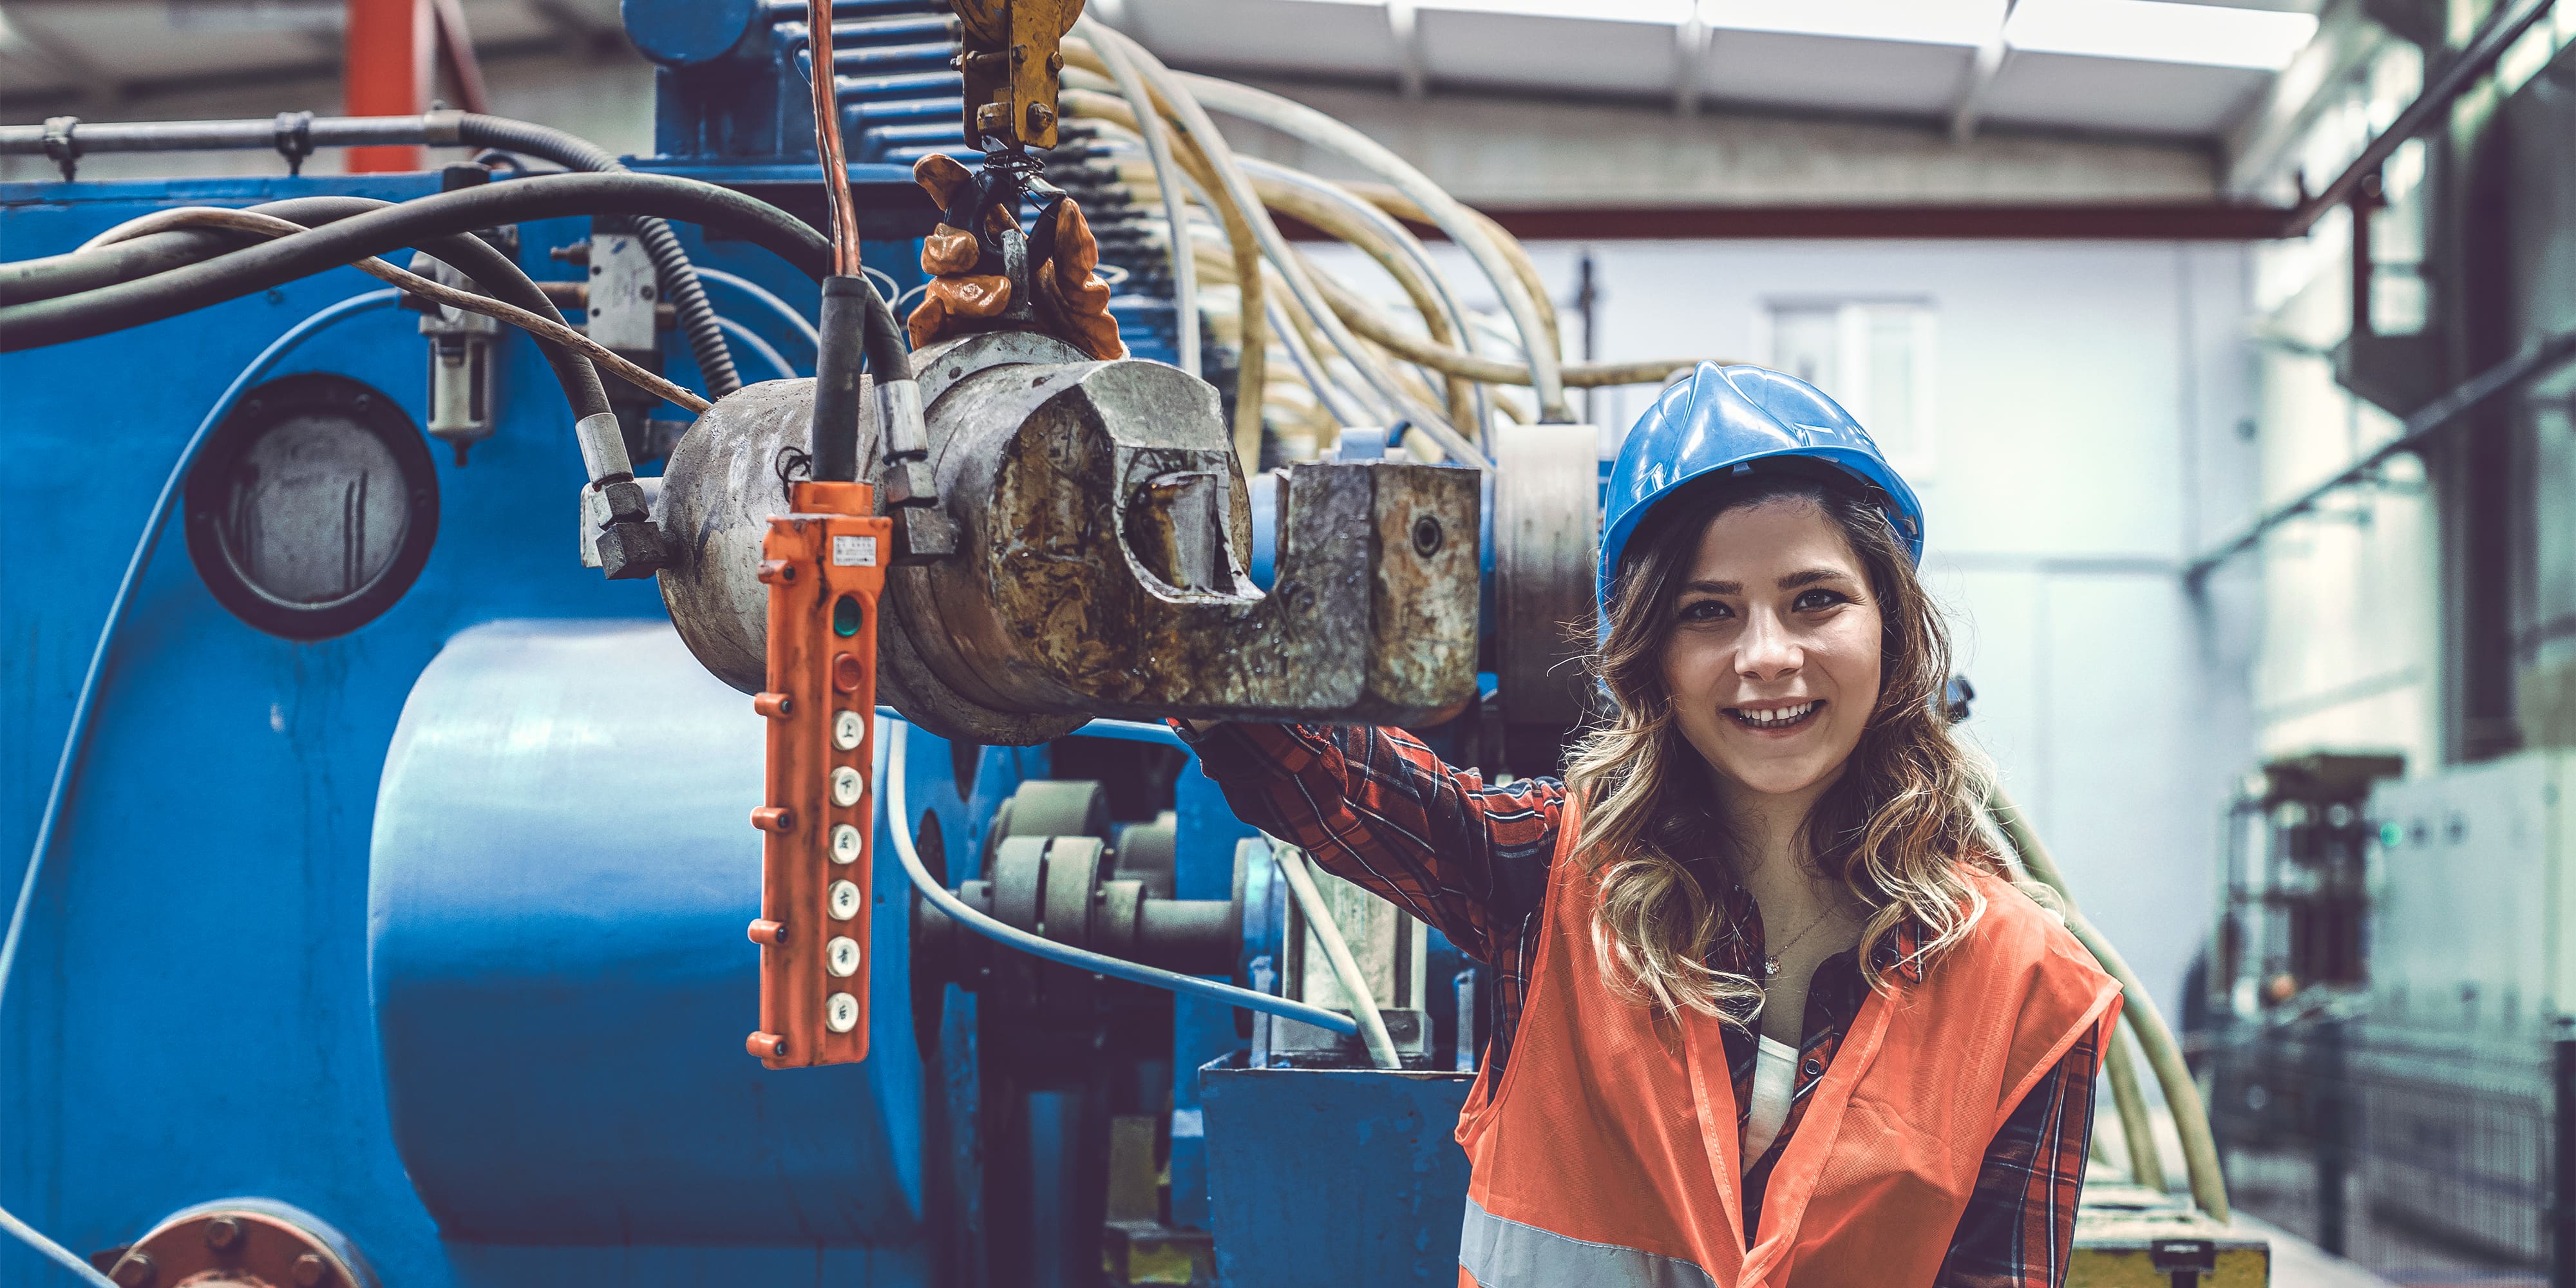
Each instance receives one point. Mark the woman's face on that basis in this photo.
(1772, 651)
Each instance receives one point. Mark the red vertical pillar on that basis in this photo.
(386, 72)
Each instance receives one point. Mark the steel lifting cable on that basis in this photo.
(85, 704)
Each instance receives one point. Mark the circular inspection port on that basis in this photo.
(312, 507)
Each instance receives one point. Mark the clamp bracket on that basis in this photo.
(62, 146)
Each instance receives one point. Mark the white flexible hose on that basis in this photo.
(899, 825)
(1348, 406)
(778, 306)
(1158, 149)
(1337, 950)
(750, 339)
(1276, 249)
(1305, 123)
(1397, 235)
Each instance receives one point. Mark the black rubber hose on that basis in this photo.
(87, 270)
(836, 379)
(680, 284)
(494, 273)
(554, 196)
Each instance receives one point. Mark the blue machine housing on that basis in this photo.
(291, 942)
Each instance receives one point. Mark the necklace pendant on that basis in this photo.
(1771, 967)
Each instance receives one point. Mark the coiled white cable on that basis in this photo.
(1308, 125)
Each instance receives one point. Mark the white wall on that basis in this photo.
(2086, 445)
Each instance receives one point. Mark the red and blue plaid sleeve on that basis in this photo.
(1376, 808)
(2020, 1221)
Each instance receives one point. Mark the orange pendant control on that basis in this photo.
(825, 566)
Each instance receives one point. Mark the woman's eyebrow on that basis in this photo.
(1714, 587)
(1811, 576)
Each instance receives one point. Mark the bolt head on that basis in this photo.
(311, 1271)
(223, 1232)
(135, 1270)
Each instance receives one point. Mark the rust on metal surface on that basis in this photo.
(824, 563)
(1085, 491)
(1013, 66)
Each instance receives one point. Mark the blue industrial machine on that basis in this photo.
(390, 927)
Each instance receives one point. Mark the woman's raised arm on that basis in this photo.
(1376, 808)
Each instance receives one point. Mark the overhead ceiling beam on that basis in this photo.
(92, 81)
(1985, 221)
(1404, 23)
(576, 29)
(1691, 39)
(1980, 76)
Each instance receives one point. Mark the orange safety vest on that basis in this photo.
(1609, 1154)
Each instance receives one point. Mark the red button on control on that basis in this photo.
(845, 672)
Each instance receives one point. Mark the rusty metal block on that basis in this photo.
(1087, 555)
(1071, 487)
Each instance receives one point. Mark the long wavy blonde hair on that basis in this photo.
(1895, 828)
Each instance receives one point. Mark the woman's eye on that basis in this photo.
(1705, 610)
(1809, 601)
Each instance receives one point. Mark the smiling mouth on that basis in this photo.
(1777, 718)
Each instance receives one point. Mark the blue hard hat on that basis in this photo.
(1734, 418)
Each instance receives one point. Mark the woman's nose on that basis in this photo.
(1766, 650)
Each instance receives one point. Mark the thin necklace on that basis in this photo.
(1771, 961)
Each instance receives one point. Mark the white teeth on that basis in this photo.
(1774, 719)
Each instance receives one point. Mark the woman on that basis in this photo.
(1692, 1077)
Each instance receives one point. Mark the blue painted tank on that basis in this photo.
(562, 870)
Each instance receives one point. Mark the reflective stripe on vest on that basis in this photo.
(1507, 1254)
(1608, 1152)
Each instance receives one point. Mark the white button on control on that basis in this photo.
(845, 787)
(847, 730)
(845, 900)
(841, 956)
(841, 1011)
(845, 843)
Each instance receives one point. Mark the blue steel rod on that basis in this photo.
(899, 823)
(76, 739)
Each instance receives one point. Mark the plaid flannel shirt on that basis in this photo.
(1377, 808)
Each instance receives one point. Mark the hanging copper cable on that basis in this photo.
(843, 216)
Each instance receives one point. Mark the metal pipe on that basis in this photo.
(2430, 108)
(2530, 364)
(216, 136)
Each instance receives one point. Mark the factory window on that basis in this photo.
(1874, 357)
(313, 507)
